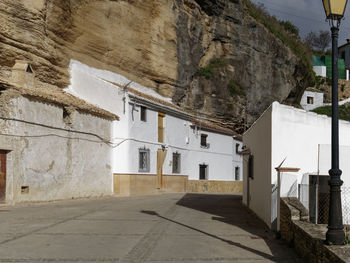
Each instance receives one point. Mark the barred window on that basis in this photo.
(144, 160)
(176, 163)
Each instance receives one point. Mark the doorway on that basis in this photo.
(203, 172)
(161, 154)
(3, 155)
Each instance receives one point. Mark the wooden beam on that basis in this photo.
(287, 169)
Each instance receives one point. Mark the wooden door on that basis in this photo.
(203, 172)
(2, 175)
(161, 154)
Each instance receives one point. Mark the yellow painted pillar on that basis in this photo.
(161, 154)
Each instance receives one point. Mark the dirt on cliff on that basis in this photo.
(209, 56)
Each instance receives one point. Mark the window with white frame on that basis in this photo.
(176, 163)
(144, 160)
(310, 100)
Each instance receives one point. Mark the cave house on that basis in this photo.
(53, 144)
(157, 146)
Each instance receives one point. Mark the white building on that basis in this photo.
(320, 71)
(294, 138)
(156, 144)
(52, 145)
(311, 100)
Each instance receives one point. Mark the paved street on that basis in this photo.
(162, 228)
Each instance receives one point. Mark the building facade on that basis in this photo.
(157, 145)
(311, 100)
(52, 145)
(299, 140)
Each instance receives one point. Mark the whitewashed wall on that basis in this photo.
(237, 159)
(130, 133)
(320, 70)
(324, 162)
(55, 164)
(295, 137)
(177, 132)
(257, 191)
(318, 100)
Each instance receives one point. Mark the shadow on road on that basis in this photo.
(211, 235)
(229, 209)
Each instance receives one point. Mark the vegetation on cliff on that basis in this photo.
(344, 111)
(283, 30)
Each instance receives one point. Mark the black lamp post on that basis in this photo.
(335, 235)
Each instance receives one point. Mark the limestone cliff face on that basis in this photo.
(208, 55)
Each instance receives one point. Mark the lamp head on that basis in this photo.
(334, 9)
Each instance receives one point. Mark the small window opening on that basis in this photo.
(29, 69)
(65, 113)
(310, 100)
(204, 143)
(143, 113)
(237, 147)
(24, 189)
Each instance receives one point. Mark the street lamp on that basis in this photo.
(335, 235)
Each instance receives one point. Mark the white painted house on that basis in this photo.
(320, 70)
(289, 137)
(311, 100)
(52, 145)
(156, 142)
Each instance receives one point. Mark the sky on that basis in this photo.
(307, 15)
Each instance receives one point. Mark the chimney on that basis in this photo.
(348, 40)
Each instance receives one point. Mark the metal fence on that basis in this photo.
(315, 197)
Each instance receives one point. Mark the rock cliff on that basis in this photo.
(209, 56)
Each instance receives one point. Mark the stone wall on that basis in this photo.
(53, 153)
(146, 184)
(206, 186)
(308, 238)
(164, 45)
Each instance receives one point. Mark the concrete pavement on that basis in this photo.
(163, 228)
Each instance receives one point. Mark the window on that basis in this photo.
(144, 160)
(251, 167)
(310, 100)
(204, 143)
(29, 69)
(176, 163)
(143, 113)
(203, 172)
(237, 147)
(343, 55)
(237, 175)
(161, 127)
